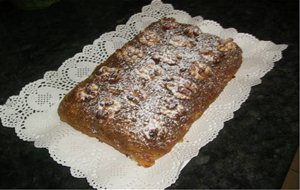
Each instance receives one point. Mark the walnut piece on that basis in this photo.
(149, 38)
(181, 41)
(133, 100)
(109, 74)
(115, 107)
(107, 108)
(87, 93)
(135, 97)
(181, 88)
(171, 108)
(210, 55)
(167, 57)
(149, 71)
(200, 71)
(152, 129)
(185, 92)
(92, 89)
(191, 86)
(227, 45)
(82, 95)
(130, 53)
(106, 102)
(192, 31)
(168, 23)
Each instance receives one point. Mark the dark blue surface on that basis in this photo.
(252, 151)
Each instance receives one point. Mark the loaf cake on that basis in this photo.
(144, 98)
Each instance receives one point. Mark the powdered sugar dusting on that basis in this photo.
(152, 82)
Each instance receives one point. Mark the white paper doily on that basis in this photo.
(34, 117)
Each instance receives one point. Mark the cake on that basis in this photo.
(144, 98)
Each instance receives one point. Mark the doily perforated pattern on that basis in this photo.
(34, 117)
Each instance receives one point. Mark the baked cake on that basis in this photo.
(144, 98)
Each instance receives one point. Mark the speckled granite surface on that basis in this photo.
(252, 151)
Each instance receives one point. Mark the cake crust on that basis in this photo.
(144, 98)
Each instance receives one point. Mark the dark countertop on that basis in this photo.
(253, 150)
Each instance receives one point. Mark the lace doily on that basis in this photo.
(33, 113)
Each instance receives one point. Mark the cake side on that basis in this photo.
(144, 98)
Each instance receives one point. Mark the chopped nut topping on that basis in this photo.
(180, 41)
(192, 31)
(152, 129)
(109, 74)
(133, 99)
(227, 45)
(171, 105)
(200, 71)
(106, 102)
(212, 56)
(171, 108)
(179, 56)
(166, 57)
(182, 70)
(82, 95)
(115, 107)
(149, 38)
(170, 86)
(115, 90)
(191, 86)
(140, 94)
(185, 91)
(149, 71)
(90, 92)
(130, 53)
(92, 89)
(156, 57)
(107, 108)
(181, 88)
(168, 23)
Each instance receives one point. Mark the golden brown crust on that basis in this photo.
(144, 98)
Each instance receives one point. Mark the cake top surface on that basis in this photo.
(146, 87)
